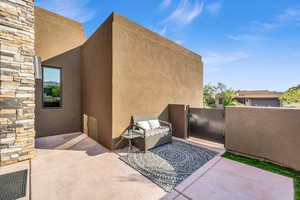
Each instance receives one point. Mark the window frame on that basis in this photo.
(61, 87)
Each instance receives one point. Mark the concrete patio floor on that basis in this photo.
(73, 166)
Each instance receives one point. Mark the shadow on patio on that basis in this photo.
(73, 141)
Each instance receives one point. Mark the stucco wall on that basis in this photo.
(125, 70)
(57, 42)
(96, 71)
(178, 119)
(54, 121)
(55, 34)
(268, 133)
(149, 73)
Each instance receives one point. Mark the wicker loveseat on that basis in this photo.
(154, 132)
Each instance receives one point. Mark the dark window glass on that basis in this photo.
(52, 87)
(241, 101)
(221, 101)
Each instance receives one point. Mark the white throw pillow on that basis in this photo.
(154, 124)
(144, 125)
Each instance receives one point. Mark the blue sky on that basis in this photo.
(51, 74)
(244, 44)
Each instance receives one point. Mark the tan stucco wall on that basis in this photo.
(179, 121)
(96, 71)
(150, 72)
(55, 34)
(52, 121)
(268, 133)
(125, 70)
(57, 42)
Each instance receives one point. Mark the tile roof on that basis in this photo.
(257, 94)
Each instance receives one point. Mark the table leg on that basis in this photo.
(129, 145)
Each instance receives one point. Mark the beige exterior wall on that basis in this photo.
(96, 71)
(67, 119)
(149, 73)
(125, 70)
(58, 42)
(178, 119)
(267, 133)
(55, 34)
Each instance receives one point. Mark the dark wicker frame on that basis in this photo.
(148, 142)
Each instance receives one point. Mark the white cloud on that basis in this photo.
(186, 12)
(290, 16)
(244, 37)
(163, 31)
(165, 4)
(265, 25)
(214, 8)
(77, 10)
(180, 42)
(214, 60)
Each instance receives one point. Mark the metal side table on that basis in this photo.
(130, 135)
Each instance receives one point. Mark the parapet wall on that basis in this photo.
(266, 133)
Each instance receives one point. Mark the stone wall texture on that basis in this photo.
(17, 101)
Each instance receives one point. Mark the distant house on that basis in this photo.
(263, 98)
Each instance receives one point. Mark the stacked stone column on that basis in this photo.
(17, 99)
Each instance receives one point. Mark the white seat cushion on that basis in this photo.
(161, 130)
(144, 124)
(154, 124)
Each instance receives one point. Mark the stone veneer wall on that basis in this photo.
(16, 80)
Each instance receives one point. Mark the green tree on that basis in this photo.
(220, 88)
(55, 91)
(228, 98)
(209, 93)
(52, 90)
(291, 96)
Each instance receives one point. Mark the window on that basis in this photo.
(243, 101)
(52, 87)
(221, 101)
